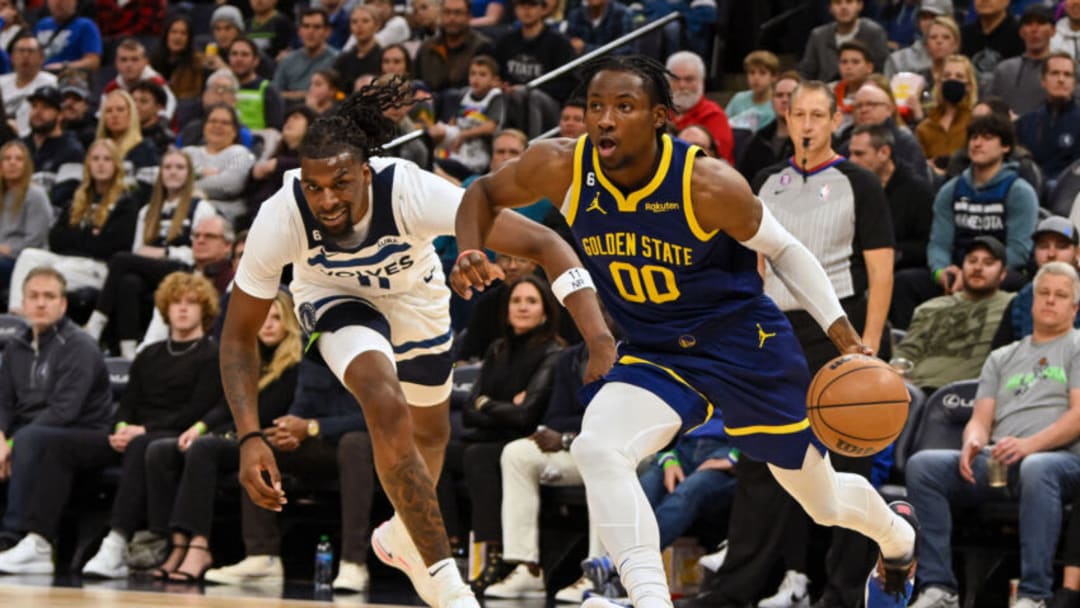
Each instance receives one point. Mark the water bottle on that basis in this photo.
(324, 564)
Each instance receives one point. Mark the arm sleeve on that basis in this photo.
(1021, 215)
(942, 230)
(799, 270)
(272, 244)
(431, 202)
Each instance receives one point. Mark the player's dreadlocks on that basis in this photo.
(651, 71)
(357, 125)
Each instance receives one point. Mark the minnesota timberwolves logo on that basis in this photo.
(307, 317)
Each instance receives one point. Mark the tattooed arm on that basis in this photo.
(240, 376)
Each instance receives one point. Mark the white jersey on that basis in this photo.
(409, 208)
(388, 279)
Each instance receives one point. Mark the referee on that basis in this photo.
(840, 213)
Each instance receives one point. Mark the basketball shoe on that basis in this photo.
(892, 582)
(394, 547)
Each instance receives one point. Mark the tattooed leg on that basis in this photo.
(403, 473)
(431, 429)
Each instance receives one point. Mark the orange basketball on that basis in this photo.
(857, 405)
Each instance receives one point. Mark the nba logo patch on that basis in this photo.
(785, 179)
(823, 193)
(306, 315)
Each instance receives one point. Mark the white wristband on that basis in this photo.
(572, 280)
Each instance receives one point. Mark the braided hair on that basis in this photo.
(357, 125)
(652, 73)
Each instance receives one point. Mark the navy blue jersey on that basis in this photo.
(659, 273)
(700, 333)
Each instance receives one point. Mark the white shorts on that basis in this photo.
(412, 329)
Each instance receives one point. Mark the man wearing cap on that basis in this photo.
(915, 57)
(1055, 241)
(1017, 80)
(70, 42)
(1052, 130)
(988, 198)
(949, 336)
(293, 73)
(57, 154)
(132, 67)
(17, 86)
(75, 109)
(226, 25)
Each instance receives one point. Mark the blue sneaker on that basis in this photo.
(892, 582)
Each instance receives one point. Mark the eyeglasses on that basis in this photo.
(221, 89)
(206, 235)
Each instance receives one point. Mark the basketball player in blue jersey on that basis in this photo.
(670, 240)
(370, 292)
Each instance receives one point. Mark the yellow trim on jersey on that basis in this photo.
(629, 203)
(768, 429)
(688, 206)
(575, 183)
(631, 360)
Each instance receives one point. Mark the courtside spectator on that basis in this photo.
(1018, 80)
(752, 109)
(56, 153)
(687, 75)
(26, 215)
(177, 60)
(1052, 130)
(991, 38)
(120, 123)
(133, 66)
(915, 57)
(821, 59)
(16, 87)
(596, 23)
(258, 103)
(149, 101)
(70, 41)
(442, 62)
(269, 29)
(293, 73)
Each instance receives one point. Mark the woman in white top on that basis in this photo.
(222, 165)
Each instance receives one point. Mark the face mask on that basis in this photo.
(953, 90)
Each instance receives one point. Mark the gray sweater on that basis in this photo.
(29, 227)
(234, 164)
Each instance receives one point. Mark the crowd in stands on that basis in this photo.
(926, 151)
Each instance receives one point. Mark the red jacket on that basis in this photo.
(710, 115)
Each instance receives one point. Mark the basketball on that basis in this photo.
(857, 405)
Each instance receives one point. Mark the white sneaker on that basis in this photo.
(519, 584)
(351, 577)
(462, 598)
(109, 561)
(32, 555)
(394, 547)
(936, 597)
(1027, 602)
(713, 561)
(792, 592)
(253, 570)
(596, 601)
(575, 593)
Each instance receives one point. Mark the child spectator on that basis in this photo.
(752, 109)
(466, 141)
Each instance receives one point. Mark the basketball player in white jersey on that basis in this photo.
(370, 291)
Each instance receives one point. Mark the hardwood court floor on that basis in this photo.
(37, 594)
(24, 596)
